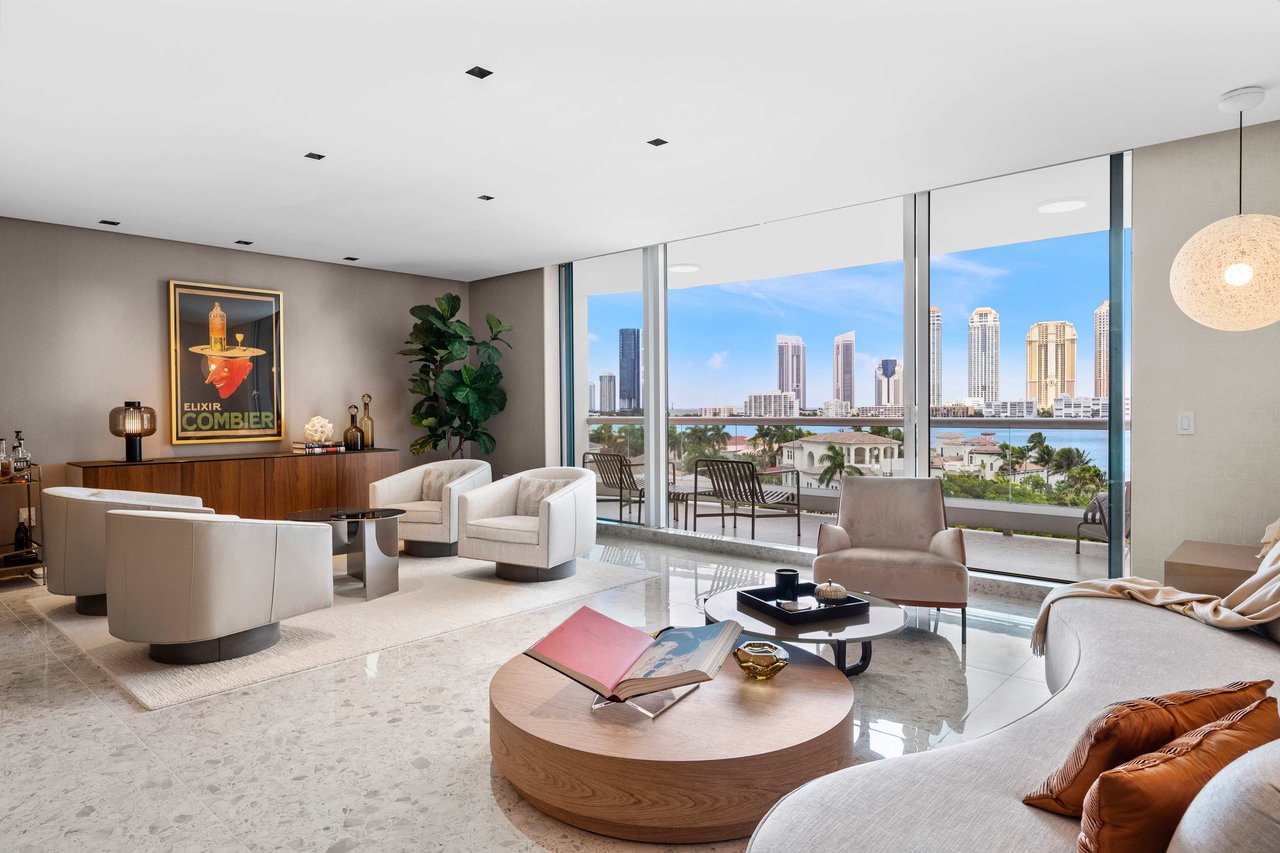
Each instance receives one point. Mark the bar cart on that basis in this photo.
(29, 561)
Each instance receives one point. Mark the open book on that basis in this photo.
(620, 662)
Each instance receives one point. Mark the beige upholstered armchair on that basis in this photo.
(204, 588)
(75, 537)
(533, 525)
(429, 494)
(892, 541)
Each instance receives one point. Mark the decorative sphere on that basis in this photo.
(830, 592)
(318, 429)
(1227, 276)
(760, 659)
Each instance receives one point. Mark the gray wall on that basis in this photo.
(84, 326)
(521, 430)
(1220, 484)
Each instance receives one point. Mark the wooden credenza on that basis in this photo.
(260, 485)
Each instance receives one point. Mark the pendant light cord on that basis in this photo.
(1240, 169)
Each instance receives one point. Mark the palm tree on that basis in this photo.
(1044, 456)
(1036, 440)
(835, 466)
(718, 436)
(603, 435)
(1067, 458)
(675, 441)
(631, 439)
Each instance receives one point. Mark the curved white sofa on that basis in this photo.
(969, 796)
(204, 588)
(75, 537)
(429, 528)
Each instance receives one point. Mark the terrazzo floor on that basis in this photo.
(389, 752)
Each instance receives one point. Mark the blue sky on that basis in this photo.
(721, 337)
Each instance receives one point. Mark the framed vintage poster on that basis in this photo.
(225, 360)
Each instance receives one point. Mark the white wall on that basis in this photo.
(1223, 483)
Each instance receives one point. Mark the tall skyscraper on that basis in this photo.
(608, 392)
(935, 357)
(984, 355)
(591, 397)
(889, 382)
(791, 367)
(1102, 349)
(1051, 362)
(628, 369)
(842, 368)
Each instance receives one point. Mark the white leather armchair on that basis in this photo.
(429, 528)
(75, 537)
(533, 525)
(203, 588)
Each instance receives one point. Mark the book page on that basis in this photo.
(680, 650)
(593, 649)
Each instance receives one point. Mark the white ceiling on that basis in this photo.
(188, 121)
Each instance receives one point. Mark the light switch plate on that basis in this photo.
(1186, 424)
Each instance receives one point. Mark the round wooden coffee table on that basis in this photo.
(707, 769)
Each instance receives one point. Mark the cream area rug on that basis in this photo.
(436, 596)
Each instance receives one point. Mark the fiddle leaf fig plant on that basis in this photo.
(457, 397)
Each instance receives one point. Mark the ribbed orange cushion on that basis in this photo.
(1128, 729)
(1135, 807)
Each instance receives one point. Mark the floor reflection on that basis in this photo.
(923, 690)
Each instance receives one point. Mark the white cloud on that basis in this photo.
(592, 337)
(717, 359)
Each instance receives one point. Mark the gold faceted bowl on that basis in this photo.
(760, 659)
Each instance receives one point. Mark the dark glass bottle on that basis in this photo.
(21, 537)
(353, 437)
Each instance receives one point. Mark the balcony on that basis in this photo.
(1022, 533)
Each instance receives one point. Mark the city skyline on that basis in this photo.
(722, 337)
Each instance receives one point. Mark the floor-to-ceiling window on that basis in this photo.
(785, 344)
(809, 350)
(607, 344)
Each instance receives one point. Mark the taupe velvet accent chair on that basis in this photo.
(892, 541)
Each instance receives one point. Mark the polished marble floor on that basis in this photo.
(389, 751)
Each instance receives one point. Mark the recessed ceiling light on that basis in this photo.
(1062, 205)
(485, 197)
(244, 242)
(110, 222)
(311, 155)
(658, 141)
(349, 258)
(479, 73)
(683, 268)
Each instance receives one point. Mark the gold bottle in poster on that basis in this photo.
(366, 422)
(217, 329)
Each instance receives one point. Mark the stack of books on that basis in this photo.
(310, 447)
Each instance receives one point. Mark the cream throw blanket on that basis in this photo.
(1254, 602)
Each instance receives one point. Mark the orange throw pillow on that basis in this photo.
(1136, 807)
(1128, 729)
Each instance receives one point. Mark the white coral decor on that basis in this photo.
(318, 429)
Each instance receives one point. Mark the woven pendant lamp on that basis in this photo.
(1227, 276)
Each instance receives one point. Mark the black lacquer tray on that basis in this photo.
(765, 599)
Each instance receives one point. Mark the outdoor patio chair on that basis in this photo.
(737, 484)
(614, 474)
(1097, 516)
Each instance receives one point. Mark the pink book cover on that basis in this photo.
(593, 645)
